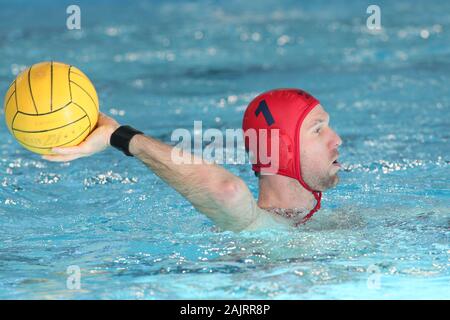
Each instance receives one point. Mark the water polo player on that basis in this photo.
(288, 195)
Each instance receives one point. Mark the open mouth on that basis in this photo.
(336, 163)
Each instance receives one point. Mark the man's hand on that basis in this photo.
(97, 141)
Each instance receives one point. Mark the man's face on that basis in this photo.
(318, 151)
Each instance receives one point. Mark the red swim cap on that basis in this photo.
(285, 110)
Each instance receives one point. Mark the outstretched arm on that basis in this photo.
(211, 189)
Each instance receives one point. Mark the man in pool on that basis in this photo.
(289, 193)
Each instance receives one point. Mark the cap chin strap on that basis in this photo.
(317, 195)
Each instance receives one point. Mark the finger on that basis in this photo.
(61, 158)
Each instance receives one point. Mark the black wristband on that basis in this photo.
(120, 139)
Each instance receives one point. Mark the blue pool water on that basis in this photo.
(383, 232)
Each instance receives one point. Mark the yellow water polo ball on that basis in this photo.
(51, 104)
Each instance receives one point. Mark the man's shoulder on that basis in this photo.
(268, 220)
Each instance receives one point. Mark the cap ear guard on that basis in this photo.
(285, 153)
(285, 156)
